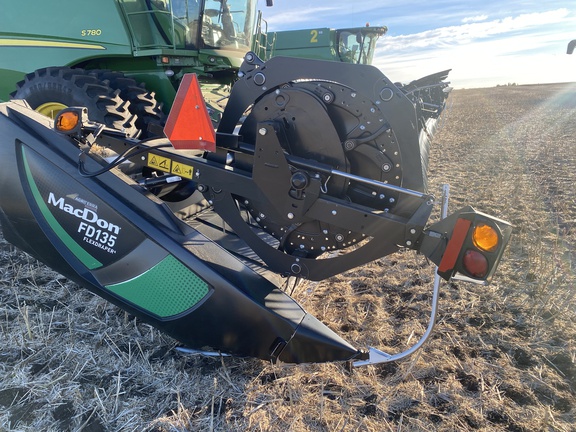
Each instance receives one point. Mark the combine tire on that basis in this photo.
(150, 118)
(52, 89)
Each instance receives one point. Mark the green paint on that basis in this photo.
(86, 259)
(167, 289)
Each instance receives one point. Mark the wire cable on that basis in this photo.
(117, 161)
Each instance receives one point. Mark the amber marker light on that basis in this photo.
(67, 121)
(485, 237)
(71, 120)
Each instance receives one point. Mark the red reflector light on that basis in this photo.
(189, 125)
(475, 263)
(454, 245)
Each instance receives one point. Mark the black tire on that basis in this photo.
(76, 87)
(150, 118)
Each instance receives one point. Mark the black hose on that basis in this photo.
(117, 161)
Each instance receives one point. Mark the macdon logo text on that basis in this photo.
(84, 214)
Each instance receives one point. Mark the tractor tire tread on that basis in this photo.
(76, 87)
(143, 103)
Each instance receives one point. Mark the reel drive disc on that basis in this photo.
(335, 126)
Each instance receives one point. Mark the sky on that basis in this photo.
(485, 42)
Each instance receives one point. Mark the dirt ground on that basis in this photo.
(502, 357)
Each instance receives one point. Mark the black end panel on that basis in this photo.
(314, 342)
(42, 250)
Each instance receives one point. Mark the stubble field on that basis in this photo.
(502, 357)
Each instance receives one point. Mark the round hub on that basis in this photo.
(51, 109)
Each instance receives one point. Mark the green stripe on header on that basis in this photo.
(86, 259)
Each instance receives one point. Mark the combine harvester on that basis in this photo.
(316, 168)
(125, 59)
(348, 45)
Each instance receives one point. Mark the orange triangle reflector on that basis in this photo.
(189, 125)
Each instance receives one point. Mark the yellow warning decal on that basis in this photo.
(182, 170)
(159, 162)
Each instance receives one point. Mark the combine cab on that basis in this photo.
(315, 168)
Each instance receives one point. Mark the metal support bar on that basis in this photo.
(190, 351)
(379, 184)
(376, 356)
(304, 163)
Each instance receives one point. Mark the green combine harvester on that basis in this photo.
(106, 53)
(66, 52)
(348, 45)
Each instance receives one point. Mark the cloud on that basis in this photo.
(303, 14)
(469, 32)
(476, 18)
(528, 48)
(291, 18)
